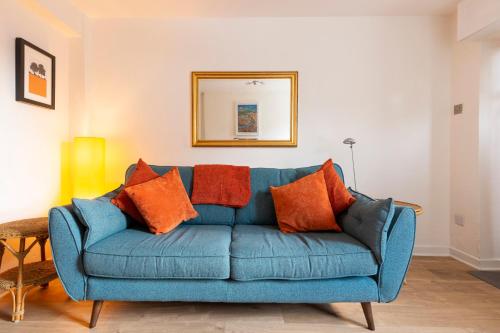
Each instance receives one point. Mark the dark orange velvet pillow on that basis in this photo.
(304, 205)
(141, 174)
(340, 198)
(162, 202)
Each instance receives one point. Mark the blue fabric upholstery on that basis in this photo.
(369, 220)
(378, 242)
(261, 252)
(208, 214)
(187, 252)
(352, 289)
(400, 244)
(66, 241)
(213, 214)
(101, 218)
(260, 209)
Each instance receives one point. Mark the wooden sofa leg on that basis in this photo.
(96, 309)
(367, 310)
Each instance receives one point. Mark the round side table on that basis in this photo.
(417, 208)
(20, 280)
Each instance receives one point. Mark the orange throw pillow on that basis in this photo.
(304, 206)
(141, 174)
(340, 197)
(162, 202)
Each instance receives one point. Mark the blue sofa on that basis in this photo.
(234, 255)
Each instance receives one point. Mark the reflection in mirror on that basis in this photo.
(244, 109)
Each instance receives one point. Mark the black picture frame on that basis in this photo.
(20, 74)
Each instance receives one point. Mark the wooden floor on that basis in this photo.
(440, 296)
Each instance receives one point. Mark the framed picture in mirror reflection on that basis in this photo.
(247, 120)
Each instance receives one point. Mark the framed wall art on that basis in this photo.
(247, 119)
(35, 75)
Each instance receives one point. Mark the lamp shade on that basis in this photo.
(87, 167)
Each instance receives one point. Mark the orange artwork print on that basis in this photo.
(37, 83)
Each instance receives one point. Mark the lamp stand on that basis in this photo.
(353, 167)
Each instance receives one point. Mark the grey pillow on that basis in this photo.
(368, 220)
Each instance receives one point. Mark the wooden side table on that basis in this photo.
(417, 208)
(20, 280)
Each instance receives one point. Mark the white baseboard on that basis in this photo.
(433, 251)
(443, 251)
(475, 262)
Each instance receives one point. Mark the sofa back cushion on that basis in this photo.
(260, 209)
(208, 214)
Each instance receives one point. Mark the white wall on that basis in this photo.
(475, 153)
(478, 19)
(464, 144)
(31, 136)
(489, 152)
(383, 80)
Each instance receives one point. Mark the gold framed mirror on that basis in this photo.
(244, 109)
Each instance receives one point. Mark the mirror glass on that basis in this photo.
(249, 110)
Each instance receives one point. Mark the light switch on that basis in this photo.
(459, 220)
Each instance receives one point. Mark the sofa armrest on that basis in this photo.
(400, 242)
(66, 240)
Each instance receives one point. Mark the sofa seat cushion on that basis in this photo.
(263, 252)
(187, 252)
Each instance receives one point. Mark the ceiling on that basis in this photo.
(262, 8)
